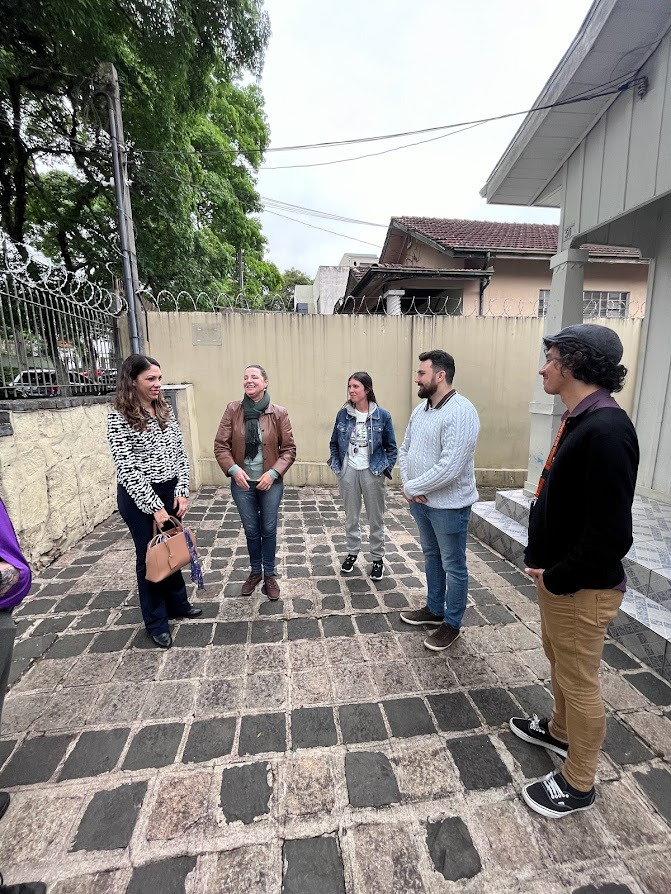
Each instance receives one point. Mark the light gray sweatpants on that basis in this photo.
(356, 484)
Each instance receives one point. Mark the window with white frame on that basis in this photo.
(594, 304)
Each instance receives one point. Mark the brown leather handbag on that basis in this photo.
(168, 551)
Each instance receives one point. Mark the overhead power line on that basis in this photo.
(339, 161)
(609, 88)
(298, 209)
(313, 212)
(323, 229)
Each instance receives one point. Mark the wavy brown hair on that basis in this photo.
(125, 399)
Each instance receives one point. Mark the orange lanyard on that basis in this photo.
(549, 460)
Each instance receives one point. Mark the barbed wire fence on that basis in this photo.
(446, 305)
(490, 306)
(215, 302)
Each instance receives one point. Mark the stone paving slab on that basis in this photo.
(313, 744)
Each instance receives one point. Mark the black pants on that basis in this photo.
(7, 632)
(166, 599)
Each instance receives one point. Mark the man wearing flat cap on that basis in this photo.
(579, 532)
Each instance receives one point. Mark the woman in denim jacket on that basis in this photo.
(363, 453)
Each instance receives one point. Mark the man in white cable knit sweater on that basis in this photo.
(438, 474)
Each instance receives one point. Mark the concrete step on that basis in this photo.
(499, 531)
(643, 576)
(647, 612)
(509, 538)
(515, 504)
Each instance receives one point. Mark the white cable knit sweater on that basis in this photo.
(437, 454)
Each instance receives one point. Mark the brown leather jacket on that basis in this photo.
(279, 449)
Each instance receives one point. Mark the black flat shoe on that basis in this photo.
(4, 803)
(193, 612)
(164, 640)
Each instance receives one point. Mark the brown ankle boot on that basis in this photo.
(251, 583)
(270, 587)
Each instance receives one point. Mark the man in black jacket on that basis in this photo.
(579, 531)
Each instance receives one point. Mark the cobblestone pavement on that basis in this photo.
(312, 745)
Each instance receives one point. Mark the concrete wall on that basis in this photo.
(308, 359)
(329, 286)
(304, 294)
(56, 476)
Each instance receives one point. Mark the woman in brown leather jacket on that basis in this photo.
(255, 446)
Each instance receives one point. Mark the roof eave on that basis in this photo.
(560, 78)
(415, 234)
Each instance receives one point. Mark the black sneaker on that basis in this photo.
(376, 570)
(553, 797)
(537, 732)
(442, 638)
(348, 564)
(422, 617)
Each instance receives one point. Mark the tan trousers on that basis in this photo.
(573, 629)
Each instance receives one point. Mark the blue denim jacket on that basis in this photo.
(381, 440)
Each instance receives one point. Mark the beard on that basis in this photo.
(427, 391)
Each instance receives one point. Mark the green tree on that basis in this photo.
(194, 132)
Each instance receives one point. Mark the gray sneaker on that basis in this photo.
(422, 618)
(442, 638)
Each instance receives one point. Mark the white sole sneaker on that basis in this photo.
(414, 623)
(525, 737)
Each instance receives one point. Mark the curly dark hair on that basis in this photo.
(125, 399)
(440, 360)
(589, 365)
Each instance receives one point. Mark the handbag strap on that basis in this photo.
(176, 522)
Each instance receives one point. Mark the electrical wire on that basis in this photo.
(286, 217)
(323, 229)
(327, 215)
(339, 161)
(606, 89)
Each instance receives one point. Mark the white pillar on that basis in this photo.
(564, 308)
(392, 299)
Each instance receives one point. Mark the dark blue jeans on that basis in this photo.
(166, 599)
(442, 533)
(258, 512)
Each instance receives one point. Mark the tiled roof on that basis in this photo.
(490, 234)
(357, 272)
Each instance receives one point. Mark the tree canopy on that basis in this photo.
(194, 129)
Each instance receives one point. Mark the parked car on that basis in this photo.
(43, 383)
(82, 383)
(107, 378)
(35, 383)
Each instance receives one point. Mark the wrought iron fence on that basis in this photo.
(58, 331)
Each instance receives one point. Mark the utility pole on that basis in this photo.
(241, 271)
(108, 85)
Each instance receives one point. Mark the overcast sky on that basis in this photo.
(354, 68)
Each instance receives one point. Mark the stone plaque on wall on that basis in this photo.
(206, 333)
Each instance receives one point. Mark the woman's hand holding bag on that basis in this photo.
(168, 551)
